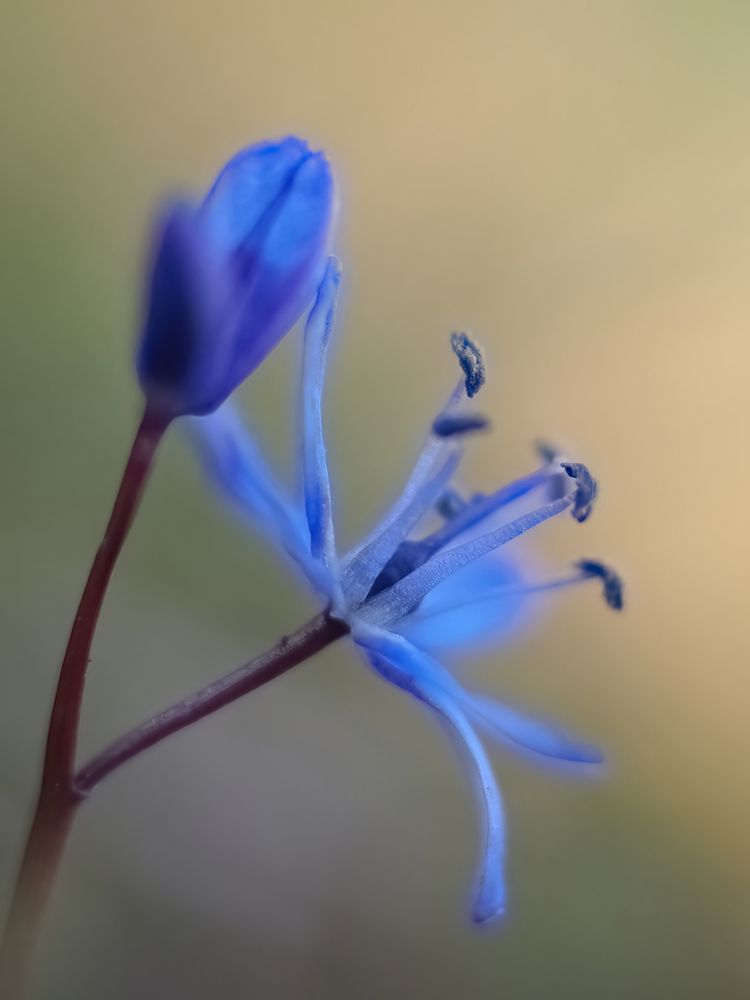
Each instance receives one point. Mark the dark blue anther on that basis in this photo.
(470, 358)
(611, 582)
(450, 424)
(450, 504)
(586, 489)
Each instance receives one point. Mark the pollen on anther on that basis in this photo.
(586, 489)
(612, 585)
(470, 358)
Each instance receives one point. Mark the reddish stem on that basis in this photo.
(318, 633)
(57, 796)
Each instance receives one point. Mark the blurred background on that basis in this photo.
(570, 182)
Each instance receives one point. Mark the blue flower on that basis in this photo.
(405, 594)
(233, 274)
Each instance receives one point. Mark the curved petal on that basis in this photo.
(234, 463)
(545, 739)
(400, 663)
(514, 728)
(480, 604)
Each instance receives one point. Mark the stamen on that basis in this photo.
(450, 504)
(368, 564)
(586, 489)
(495, 594)
(450, 424)
(470, 358)
(401, 598)
(612, 585)
(407, 557)
(480, 507)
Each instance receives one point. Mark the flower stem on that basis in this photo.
(57, 796)
(318, 633)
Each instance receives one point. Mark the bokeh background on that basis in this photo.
(569, 181)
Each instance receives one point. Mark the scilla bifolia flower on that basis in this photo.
(231, 276)
(428, 576)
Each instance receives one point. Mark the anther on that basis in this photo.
(470, 358)
(450, 424)
(586, 489)
(612, 585)
(450, 504)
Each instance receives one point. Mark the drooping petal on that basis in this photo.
(394, 659)
(453, 615)
(545, 739)
(316, 479)
(514, 727)
(236, 465)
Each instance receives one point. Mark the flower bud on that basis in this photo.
(231, 276)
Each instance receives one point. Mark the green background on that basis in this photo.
(571, 182)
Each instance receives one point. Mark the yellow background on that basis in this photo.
(571, 182)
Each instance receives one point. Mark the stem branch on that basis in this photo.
(318, 633)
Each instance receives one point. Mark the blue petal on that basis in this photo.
(316, 480)
(231, 278)
(185, 348)
(545, 739)
(252, 180)
(235, 464)
(483, 602)
(282, 266)
(403, 665)
(513, 727)
(271, 210)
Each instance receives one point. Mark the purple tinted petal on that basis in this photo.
(515, 728)
(481, 603)
(184, 350)
(402, 664)
(234, 463)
